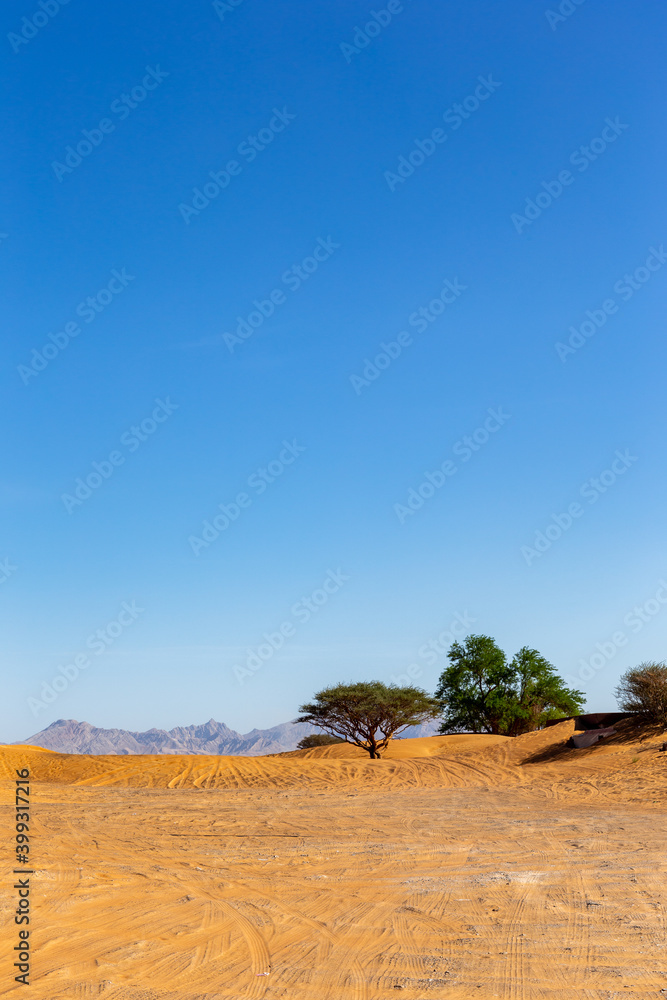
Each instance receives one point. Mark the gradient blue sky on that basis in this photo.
(333, 508)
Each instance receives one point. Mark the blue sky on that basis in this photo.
(314, 210)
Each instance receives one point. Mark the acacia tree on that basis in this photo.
(643, 691)
(368, 714)
(481, 692)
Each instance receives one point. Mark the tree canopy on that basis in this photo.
(481, 692)
(368, 714)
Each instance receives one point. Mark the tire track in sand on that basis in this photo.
(514, 976)
(345, 954)
(258, 949)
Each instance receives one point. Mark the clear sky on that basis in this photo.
(215, 216)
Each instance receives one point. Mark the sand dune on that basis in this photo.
(456, 867)
(401, 749)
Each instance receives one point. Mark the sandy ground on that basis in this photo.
(457, 867)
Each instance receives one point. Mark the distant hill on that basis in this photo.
(70, 736)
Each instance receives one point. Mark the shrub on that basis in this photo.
(317, 740)
(643, 691)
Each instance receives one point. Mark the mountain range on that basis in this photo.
(70, 736)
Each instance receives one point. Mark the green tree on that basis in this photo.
(540, 693)
(368, 714)
(476, 689)
(481, 692)
(643, 691)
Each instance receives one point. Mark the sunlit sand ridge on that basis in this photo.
(456, 867)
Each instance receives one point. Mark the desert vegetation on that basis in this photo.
(368, 714)
(642, 691)
(479, 692)
(318, 740)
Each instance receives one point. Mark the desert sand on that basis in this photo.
(457, 867)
